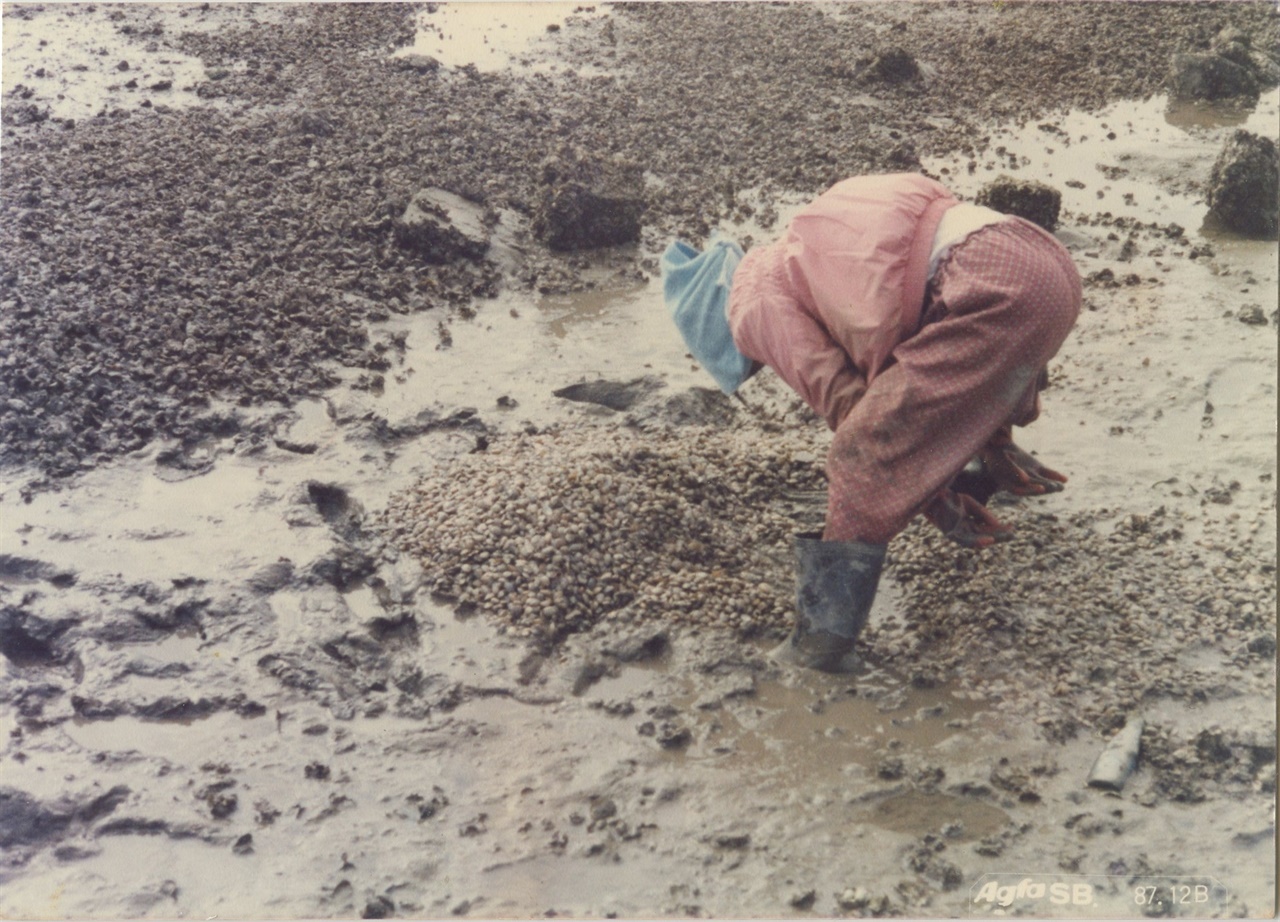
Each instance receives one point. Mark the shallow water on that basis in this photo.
(1135, 159)
(492, 36)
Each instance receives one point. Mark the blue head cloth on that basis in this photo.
(696, 288)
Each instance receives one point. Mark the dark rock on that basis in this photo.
(586, 202)
(603, 810)
(222, 804)
(182, 462)
(1237, 47)
(138, 826)
(315, 124)
(379, 908)
(616, 395)
(1213, 745)
(1244, 185)
(803, 901)
(272, 577)
(891, 768)
(317, 771)
(27, 640)
(1028, 199)
(1263, 645)
(733, 840)
(903, 157)
(173, 707)
(892, 65)
(1253, 315)
(93, 709)
(673, 735)
(418, 63)
(1210, 77)
(73, 853)
(1233, 45)
(442, 227)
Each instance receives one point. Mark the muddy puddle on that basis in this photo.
(300, 730)
(494, 36)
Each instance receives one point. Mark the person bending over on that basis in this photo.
(919, 328)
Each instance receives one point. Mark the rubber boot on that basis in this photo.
(836, 583)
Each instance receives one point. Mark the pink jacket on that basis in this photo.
(827, 303)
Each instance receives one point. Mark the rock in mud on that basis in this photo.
(803, 900)
(28, 640)
(1233, 68)
(1234, 45)
(892, 65)
(1263, 645)
(586, 202)
(1028, 199)
(1244, 185)
(379, 908)
(1210, 77)
(442, 227)
(1253, 315)
(418, 63)
(272, 577)
(859, 899)
(671, 734)
(616, 395)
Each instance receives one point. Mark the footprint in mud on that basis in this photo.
(338, 508)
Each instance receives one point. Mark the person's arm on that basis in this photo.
(959, 510)
(805, 356)
(965, 520)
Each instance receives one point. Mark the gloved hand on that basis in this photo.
(1014, 470)
(965, 520)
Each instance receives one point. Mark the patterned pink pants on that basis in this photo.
(998, 308)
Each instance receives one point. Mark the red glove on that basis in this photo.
(965, 520)
(1014, 470)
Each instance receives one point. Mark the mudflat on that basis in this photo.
(337, 579)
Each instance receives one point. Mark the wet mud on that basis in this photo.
(338, 583)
